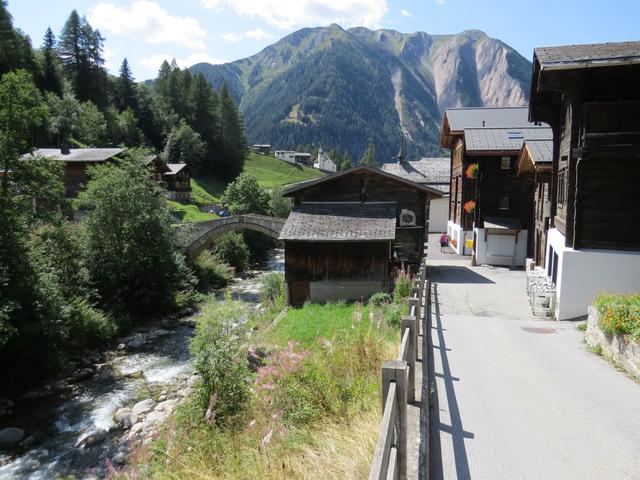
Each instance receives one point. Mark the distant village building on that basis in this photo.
(323, 162)
(262, 149)
(157, 166)
(590, 95)
(535, 162)
(178, 182)
(490, 211)
(349, 231)
(76, 161)
(290, 156)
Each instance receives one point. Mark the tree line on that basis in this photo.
(178, 114)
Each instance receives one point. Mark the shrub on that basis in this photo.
(231, 249)
(272, 293)
(379, 299)
(619, 314)
(88, 325)
(403, 286)
(211, 271)
(393, 314)
(224, 390)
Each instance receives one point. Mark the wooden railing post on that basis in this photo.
(396, 371)
(412, 353)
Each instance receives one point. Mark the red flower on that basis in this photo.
(469, 206)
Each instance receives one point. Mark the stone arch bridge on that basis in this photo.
(195, 237)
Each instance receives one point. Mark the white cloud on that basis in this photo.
(286, 14)
(212, 4)
(108, 54)
(259, 34)
(231, 37)
(154, 61)
(405, 13)
(147, 21)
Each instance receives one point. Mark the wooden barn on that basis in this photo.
(350, 231)
(490, 211)
(590, 96)
(535, 162)
(178, 182)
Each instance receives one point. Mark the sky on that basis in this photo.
(148, 31)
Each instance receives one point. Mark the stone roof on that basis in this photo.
(175, 168)
(432, 171)
(77, 154)
(541, 150)
(503, 139)
(341, 222)
(488, 117)
(572, 56)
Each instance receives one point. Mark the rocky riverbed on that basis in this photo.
(89, 420)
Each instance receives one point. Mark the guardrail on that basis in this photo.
(398, 388)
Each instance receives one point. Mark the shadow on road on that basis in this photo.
(456, 274)
(457, 432)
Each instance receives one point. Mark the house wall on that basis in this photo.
(505, 249)
(582, 274)
(458, 238)
(438, 214)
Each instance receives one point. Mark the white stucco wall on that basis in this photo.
(517, 259)
(438, 215)
(582, 274)
(456, 233)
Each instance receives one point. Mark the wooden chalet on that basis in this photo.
(490, 209)
(590, 96)
(157, 166)
(76, 161)
(535, 162)
(349, 231)
(178, 182)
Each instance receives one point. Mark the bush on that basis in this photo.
(224, 390)
(403, 286)
(211, 271)
(272, 293)
(87, 325)
(230, 248)
(379, 299)
(619, 314)
(393, 314)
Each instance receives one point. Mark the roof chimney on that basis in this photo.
(483, 123)
(401, 152)
(65, 149)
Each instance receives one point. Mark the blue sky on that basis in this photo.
(147, 31)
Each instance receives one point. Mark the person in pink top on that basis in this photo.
(444, 241)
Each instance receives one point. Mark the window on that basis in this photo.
(504, 203)
(515, 135)
(562, 188)
(505, 163)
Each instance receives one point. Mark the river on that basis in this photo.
(58, 423)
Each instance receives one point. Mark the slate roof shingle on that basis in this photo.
(432, 171)
(503, 139)
(488, 117)
(341, 222)
(595, 53)
(541, 150)
(76, 154)
(175, 168)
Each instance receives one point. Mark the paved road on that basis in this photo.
(517, 404)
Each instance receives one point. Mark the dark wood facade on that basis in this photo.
(596, 153)
(462, 188)
(178, 182)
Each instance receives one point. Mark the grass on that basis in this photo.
(206, 191)
(318, 418)
(190, 213)
(582, 326)
(272, 172)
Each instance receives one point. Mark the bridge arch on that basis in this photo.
(197, 236)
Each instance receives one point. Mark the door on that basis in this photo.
(501, 249)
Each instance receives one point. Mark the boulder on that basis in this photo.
(125, 417)
(143, 406)
(6, 406)
(135, 342)
(166, 406)
(11, 436)
(93, 438)
(119, 458)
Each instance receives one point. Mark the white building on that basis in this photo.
(324, 162)
(286, 155)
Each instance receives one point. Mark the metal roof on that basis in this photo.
(341, 222)
(488, 117)
(595, 54)
(175, 167)
(432, 171)
(77, 154)
(541, 151)
(503, 139)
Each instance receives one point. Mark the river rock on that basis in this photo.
(159, 332)
(135, 342)
(125, 417)
(82, 374)
(166, 406)
(6, 406)
(135, 429)
(94, 438)
(153, 418)
(29, 442)
(143, 406)
(10, 436)
(119, 458)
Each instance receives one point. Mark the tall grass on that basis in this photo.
(619, 314)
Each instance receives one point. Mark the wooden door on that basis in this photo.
(298, 293)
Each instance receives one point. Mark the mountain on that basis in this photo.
(334, 87)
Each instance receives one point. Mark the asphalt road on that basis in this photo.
(519, 397)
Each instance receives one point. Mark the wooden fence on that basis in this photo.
(398, 388)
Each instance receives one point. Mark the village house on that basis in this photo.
(434, 172)
(535, 162)
(178, 182)
(323, 162)
(290, 156)
(76, 161)
(590, 95)
(262, 149)
(490, 210)
(350, 231)
(157, 167)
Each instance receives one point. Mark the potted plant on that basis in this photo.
(472, 170)
(470, 206)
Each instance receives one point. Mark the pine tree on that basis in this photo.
(369, 157)
(232, 139)
(126, 88)
(50, 76)
(15, 47)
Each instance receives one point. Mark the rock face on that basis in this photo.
(334, 87)
(11, 436)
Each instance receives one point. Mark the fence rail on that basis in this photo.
(398, 388)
